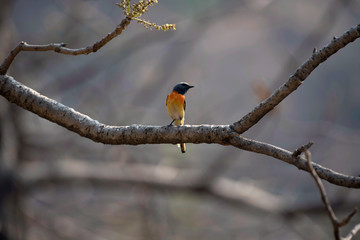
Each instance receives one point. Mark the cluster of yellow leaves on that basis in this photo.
(136, 10)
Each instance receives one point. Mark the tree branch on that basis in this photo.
(295, 80)
(299, 162)
(324, 197)
(87, 127)
(60, 47)
(141, 134)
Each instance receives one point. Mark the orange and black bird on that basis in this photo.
(176, 105)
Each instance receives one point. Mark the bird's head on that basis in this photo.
(182, 87)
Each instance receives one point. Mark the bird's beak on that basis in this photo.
(191, 86)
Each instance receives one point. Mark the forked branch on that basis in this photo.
(335, 222)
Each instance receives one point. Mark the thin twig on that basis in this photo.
(335, 222)
(348, 218)
(302, 149)
(61, 47)
(324, 197)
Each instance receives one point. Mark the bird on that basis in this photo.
(176, 105)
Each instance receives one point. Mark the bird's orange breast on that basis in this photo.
(175, 98)
(175, 107)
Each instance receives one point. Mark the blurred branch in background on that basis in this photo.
(12, 223)
(154, 177)
(12, 151)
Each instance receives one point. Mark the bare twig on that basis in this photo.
(348, 218)
(335, 222)
(61, 47)
(324, 197)
(302, 149)
(295, 80)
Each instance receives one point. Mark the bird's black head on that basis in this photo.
(182, 87)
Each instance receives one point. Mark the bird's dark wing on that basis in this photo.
(184, 105)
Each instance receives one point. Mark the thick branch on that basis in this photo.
(139, 134)
(87, 127)
(295, 80)
(60, 47)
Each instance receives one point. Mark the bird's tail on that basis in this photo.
(182, 147)
(178, 122)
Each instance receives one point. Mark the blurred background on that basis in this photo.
(55, 184)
